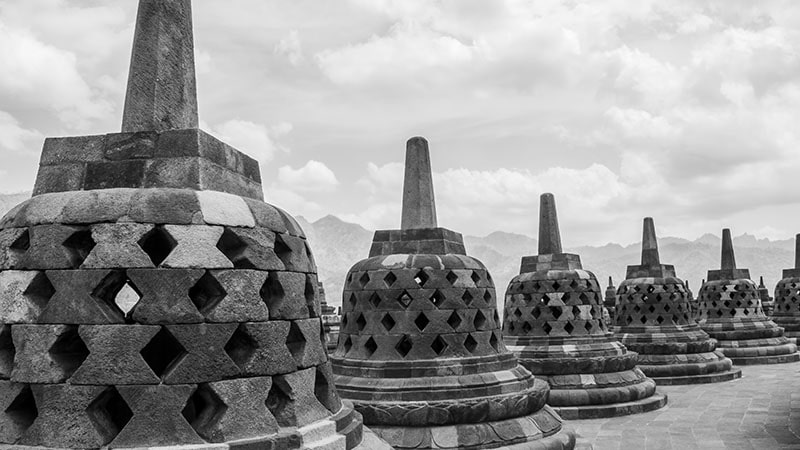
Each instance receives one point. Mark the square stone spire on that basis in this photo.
(160, 145)
(728, 270)
(551, 255)
(795, 271)
(651, 266)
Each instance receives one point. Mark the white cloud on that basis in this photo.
(15, 138)
(257, 140)
(313, 177)
(291, 48)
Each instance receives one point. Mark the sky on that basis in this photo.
(686, 111)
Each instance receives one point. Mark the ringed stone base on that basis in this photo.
(652, 403)
(751, 342)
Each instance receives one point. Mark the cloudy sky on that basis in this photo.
(685, 110)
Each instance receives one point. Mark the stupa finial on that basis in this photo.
(728, 258)
(419, 206)
(797, 251)
(162, 90)
(549, 235)
(649, 244)
(610, 281)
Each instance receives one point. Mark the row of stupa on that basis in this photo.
(150, 298)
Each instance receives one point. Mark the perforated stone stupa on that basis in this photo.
(729, 310)
(420, 350)
(553, 323)
(786, 312)
(148, 297)
(654, 319)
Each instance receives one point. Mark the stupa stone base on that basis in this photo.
(652, 403)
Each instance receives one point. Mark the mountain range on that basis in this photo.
(337, 245)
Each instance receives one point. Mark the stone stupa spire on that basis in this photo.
(649, 244)
(549, 234)
(728, 268)
(419, 205)
(162, 89)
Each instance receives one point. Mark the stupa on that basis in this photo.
(654, 319)
(730, 311)
(222, 346)
(767, 302)
(610, 300)
(786, 312)
(420, 350)
(553, 323)
(331, 321)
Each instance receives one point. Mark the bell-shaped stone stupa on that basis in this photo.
(610, 301)
(654, 319)
(420, 350)
(786, 312)
(553, 323)
(149, 297)
(729, 309)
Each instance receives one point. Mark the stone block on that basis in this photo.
(292, 401)
(260, 348)
(17, 411)
(242, 300)
(305, 342)
(78, 149)
(46, 353)
(84, 297)
(115, 174)
(266, 216)
(60, 178)
(124, 146)
(157, 417)
(312, 293)
(214, 177)
(205, 358)
(13, 245)
(173, 206)
(176, 173)
(117, 246)
(251, 248)
(115, 355)
(196, 246)
(166, 295)
(220, 208)
(23, 294)
(284, 293)
(57, 247)
(293, 252)
(7, 352)
(292, 227)
(234, 410)
(195, 142)
(325, 389)
(97, 206)
(70, 417)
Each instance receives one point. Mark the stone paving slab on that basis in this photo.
(760, 411)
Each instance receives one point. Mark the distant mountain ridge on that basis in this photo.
(337, 245)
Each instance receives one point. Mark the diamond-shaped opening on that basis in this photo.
(40, 290)
(479, 321)
(527, 299)
(22, 411)
(361, 322)
(454, 320)
(547, 328)
(421, 278)
(545, 299)
(421, 321)
(405, 299)
(241, 347)
(162, 352)
(467, 297)
(403, 346)
(556, 311)
(127, 298)
(565, 297)
(576, 311)
(569, 327)
(556, 285)
(375, 300)
(517, 313)
(280, 403)
(574, 285)
(348, 344)
(69, 351)
(110, 407)
(660, 319)
(629, 320)
(438, 345)
(312, 295)
(233, 247)
(451, 277)
(588, 326)
(353, 300)
(282, 250)
(158, 244)
(296, 341)
(107, 291)
(388, 322)
(22, 243)
(494, 342)
(536, 312)
(652, 309)
(488, 297)
(363, 280)
(207, 293)
(324, 390)
(79, 245)
(470, 343)
(475, 277)
(272, 292)
(370, 346)
(666, 307)
(390, 279)
(527, 327)
(203, 409)
(437, 298)
(643, 319)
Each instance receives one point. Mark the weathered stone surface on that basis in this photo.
(84, 297)
(196, 246)
(82, 207)
(115, 174)
(292, 401)
(117, 246)
(162, 91)
(261, 348)
(157, 418)
(71, 417)
(173, 206)
(649, 244)
(220, 208)
(23, 294)
(13, 245)
(305, 343)
(46, 353)
(17, 411)
(238, 410)
(165, 295)
(69, 150)
(57, 247)
(251, 248)
(284, 293)
(419, 206)
(115, 355)
(7, 352)
(205, 359)
(242, 301)
(549, 233)
(60, 178)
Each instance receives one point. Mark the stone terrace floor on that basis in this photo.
(759, 411)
